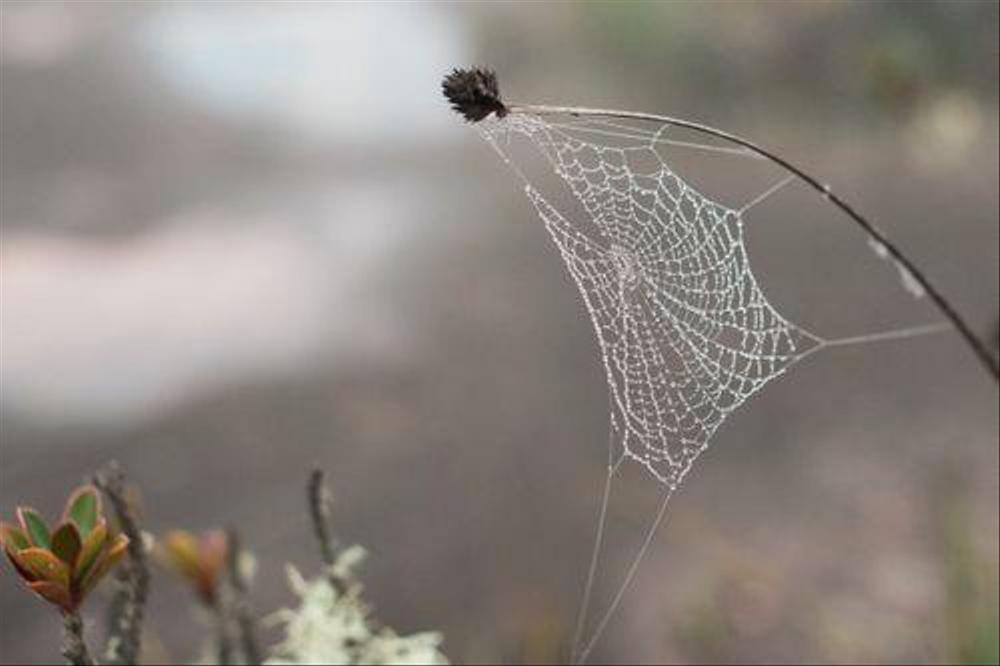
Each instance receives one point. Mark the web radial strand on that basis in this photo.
(685, 332)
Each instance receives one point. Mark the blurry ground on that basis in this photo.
(241, 240)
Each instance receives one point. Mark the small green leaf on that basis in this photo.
(34, 526)
(83, 508)
(66, 543)
(13, 538)
(91, 548)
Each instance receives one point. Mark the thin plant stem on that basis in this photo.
(219, 617)
(116, 605)
(125, 638)
(990, 362)
(319, 514)
(245, 624)
(223, 645)
(74, 647)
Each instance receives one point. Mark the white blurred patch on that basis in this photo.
(351, 72)
(115, 332)
(945, 131)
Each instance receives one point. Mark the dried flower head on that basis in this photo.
(64, 565)
(474, 93)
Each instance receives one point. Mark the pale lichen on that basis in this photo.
(331, 626)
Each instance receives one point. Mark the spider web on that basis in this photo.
(685, 332)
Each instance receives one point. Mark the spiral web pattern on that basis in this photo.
(686, 334)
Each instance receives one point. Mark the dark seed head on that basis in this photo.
(474, 93)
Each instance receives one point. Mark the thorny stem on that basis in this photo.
(241, 608)
(125, 639)
(74, 647)
(980, 348)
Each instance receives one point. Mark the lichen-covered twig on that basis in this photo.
(319, 513)
(119, 597)
(74, 648)
(125, 638)
(240, 606)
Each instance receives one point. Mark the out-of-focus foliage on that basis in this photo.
(972, 609)
(199, 560)
(833, 60)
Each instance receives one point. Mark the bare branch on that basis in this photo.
(74, 647)
(125, 639)
(319, 513)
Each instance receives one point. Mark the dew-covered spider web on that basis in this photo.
(685, 331)
(686, 334)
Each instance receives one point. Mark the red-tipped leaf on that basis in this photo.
(43, 565)
(21, 571)
(54, 593)
(13, 538)
(66, 543)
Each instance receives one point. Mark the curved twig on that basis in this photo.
(980, 348)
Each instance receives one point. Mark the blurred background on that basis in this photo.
(243, 239)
